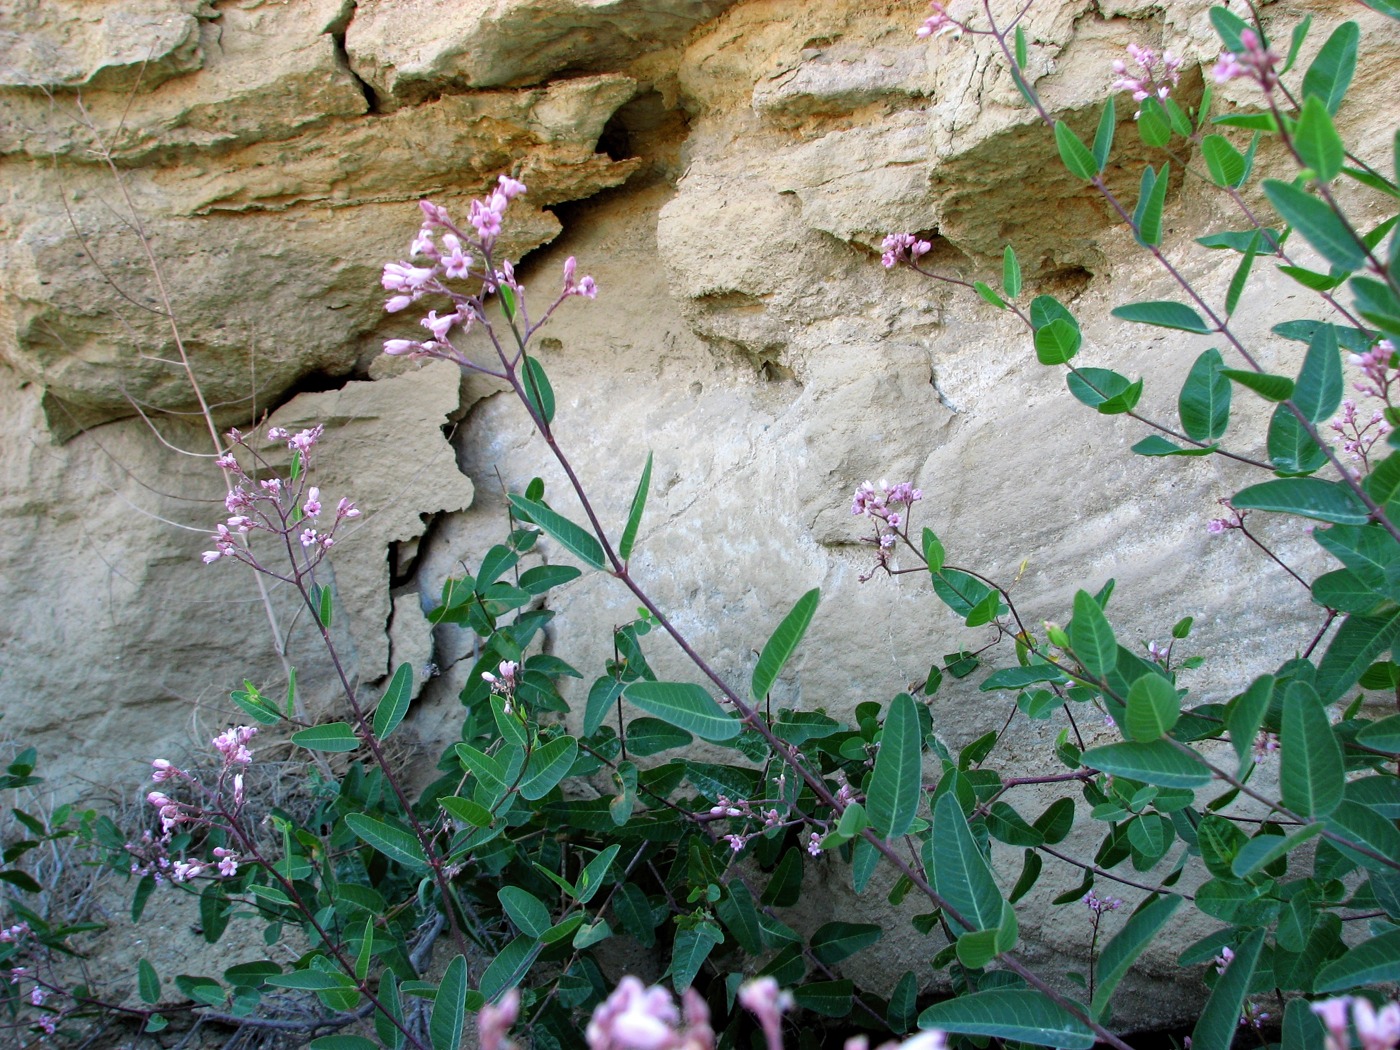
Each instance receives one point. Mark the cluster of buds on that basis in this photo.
(1375, 1029)
(287, 507)
(14, 934)
(1154, 77)
(1359, 436)
(1378, 370)
(442, 251)
(220, 807)
(940, 23)
(1098, 905)
(888, 508)
(1255, 61)
(1218, 525)
(504, 681)
(898, 247)
(1266, 745)
(764, 813)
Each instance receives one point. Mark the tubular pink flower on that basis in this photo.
(163, 770)
(762, 998)
(495, 1021)
(510, 188)
(401, 277)
(346, 509)
(402, 347)
(399, 302)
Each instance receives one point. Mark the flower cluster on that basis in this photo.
(1376, 1029)
(1154, 77)
(939, 23)
(1256, 62)
(900, 246)
(1357, 436)
(445, 252)
(286, 507)
(1378, 370)
(743, 809)
(220, 807)
(1098, 905)
(883, 506)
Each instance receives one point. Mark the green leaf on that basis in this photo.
(1383, 735)
(1154, 128)
(1215, 1030)
(1091, 637)
(1057, 342)
(1075, 154)
(467, 811)
(394, 704)
(836, 941)
(450, 1007)
(1020, 47)
(1246, 714)
(933, 551)
(527, 911)
(148, 982)
(1104, 390)
(1377, 303)
(333, 736)
(1153, 708)
(1156, 445)
(1329, 76)
(545, 577)
(960, 873)
(1103, 137)
(1270, 387)
(1319, 389)
(324, 607)
(1163, 315)
(601, 696)
(828, 998)
(892, 800)
(509, 967)
(342, 1042)
(783, 642)
(1291, 448)
(651, 736)
(1204, 403)
(398, 845)
(548, 765)
(1010, 273)
(1157, 762)
(591, 878)
(1238, 282)
(1263, 850)
(1317, 140)
(1363, 827)
(1241, 240)
(693, 946)
(1316, 221)
(1306, 497)
(1312, 280)
(1355, 646)
(986, 291)
(538, 393)
(1152, 196)
(579, 542)
(634, 516)
(686, 706)
(1120, 953)
(1018, 1014)
(1373, 961)
(1225, 163)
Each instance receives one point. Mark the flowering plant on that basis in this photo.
(554, 828)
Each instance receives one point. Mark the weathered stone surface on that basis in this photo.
(106, 46)
(418, 49)
(266, 70)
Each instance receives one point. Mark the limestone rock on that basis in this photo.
(106, 46)
(414, 50)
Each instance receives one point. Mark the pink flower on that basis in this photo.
(346, 509)
(509, 188)
(456, 263)
(163, 770)
(1333, 1013)
(228, 861)
(814, 844)
(1377, 1030)
(397, 303)
(402, 347)
(312, 506)
(303, 441)
(1224, 959)
(634, 1018)
(277, 434)
(504, 682)
(232, 744)
(898, 246)
(762, 998)
(495, 1021)
(1156, 74)
(937, 23)
(401, 277)
(439, 326)
(1098, 905)
(1256, 62)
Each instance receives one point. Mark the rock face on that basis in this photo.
(726, 170)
